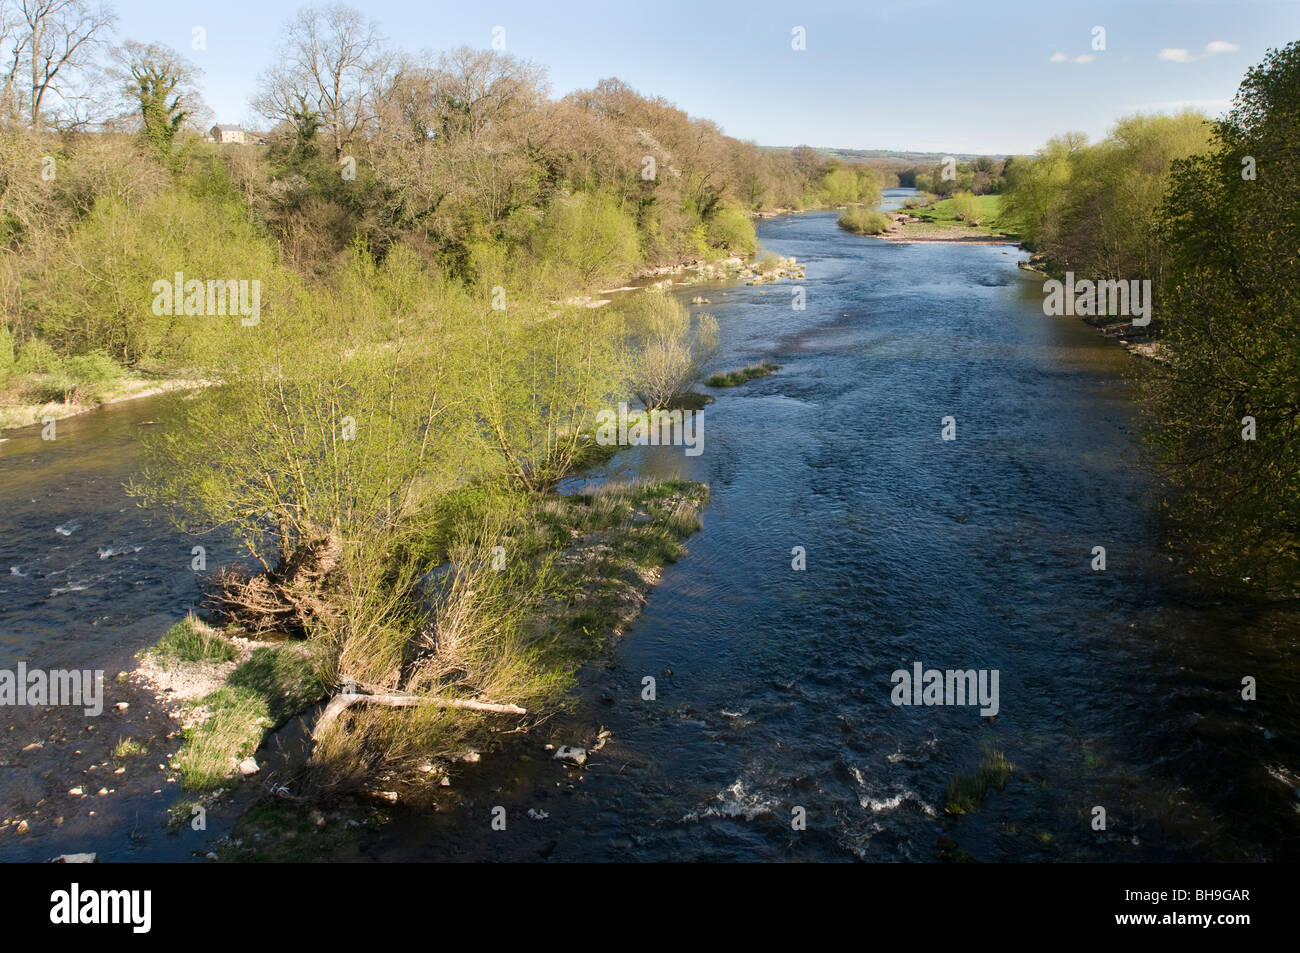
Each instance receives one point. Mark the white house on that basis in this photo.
(226, 134)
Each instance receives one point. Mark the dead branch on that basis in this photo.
(340, 703)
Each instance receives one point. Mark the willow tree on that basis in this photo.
(667, 351)
(1225, 404)
(540, 378)
(331, 434)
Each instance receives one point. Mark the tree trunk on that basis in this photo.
(340, 703)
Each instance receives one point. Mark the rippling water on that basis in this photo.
(973, 553)
(773, 686)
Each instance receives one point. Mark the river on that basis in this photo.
(1118, 689)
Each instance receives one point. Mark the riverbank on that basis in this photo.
(16, 413)
(1143, 342)
(757, 271)
(907, 228)
(943, 222)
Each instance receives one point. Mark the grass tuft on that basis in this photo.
(192, 640)
(967, 791)
(745, 374)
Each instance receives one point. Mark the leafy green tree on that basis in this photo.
(1231, 347)
(731, 229)
(538, 378)
(588, 236)
(1036, 187)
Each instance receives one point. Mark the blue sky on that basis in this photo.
(998, 76)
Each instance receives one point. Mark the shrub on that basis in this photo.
(588, 237)
(37, 357)
(6, 354)
(862, 221)
(667, 352)
(93, 369)
(967, 208)
(731, 229)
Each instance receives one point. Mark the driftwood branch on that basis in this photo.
(340, 703)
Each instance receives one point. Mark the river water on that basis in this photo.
(1118, 689)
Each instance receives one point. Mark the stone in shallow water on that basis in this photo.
(571, 755)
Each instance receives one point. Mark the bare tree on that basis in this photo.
(476, 89)
(52, 40)
(333, 58)
(11, 49)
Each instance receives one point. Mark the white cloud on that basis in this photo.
(1178, 55)
(1085, 58)
(1058, 58)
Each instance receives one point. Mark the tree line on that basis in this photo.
(1207, 211)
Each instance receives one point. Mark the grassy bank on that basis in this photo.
(34, 398)
(981, 213)
(32, 392)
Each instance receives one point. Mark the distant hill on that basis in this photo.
(889, 155)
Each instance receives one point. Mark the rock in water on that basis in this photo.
(571, 755)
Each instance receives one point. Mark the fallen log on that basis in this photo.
(340, 703)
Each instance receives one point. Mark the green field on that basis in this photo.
(943, 213)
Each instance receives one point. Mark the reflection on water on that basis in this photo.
(773, 685)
